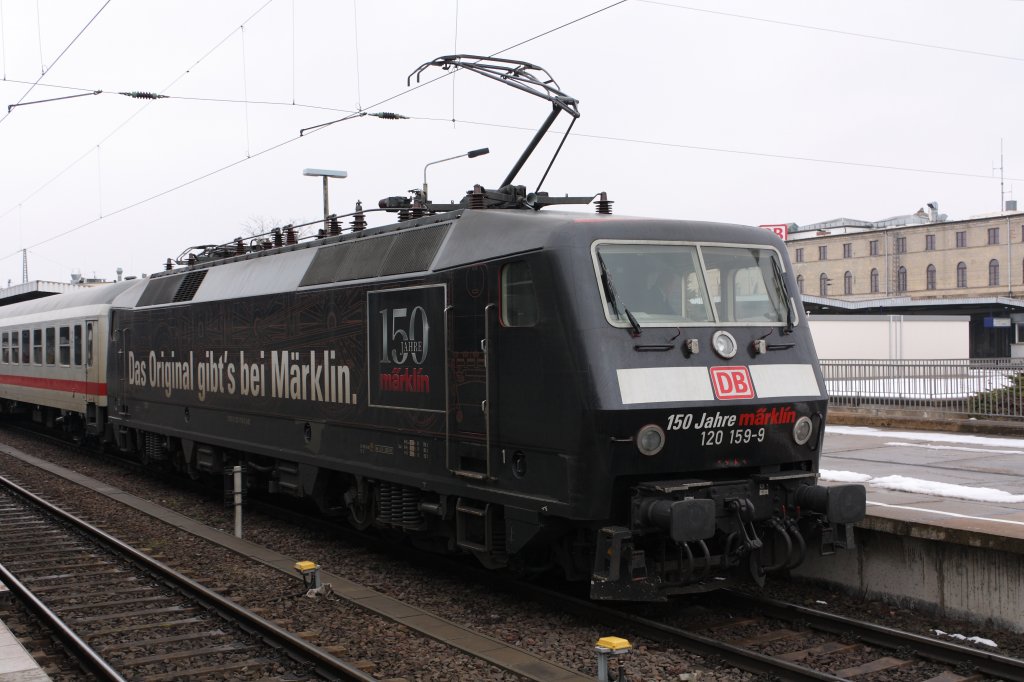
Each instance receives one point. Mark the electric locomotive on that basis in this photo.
(628, 400)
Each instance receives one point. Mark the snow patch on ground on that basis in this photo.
(917, 485)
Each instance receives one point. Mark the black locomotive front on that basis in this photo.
(709, 410)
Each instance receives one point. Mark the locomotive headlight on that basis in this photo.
(650, 440)
(724, 344)
(802, 430)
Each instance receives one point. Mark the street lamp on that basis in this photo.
(322, 173)
(471, 154)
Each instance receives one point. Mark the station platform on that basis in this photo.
(16, 664)
(957, 483)
(944, 530)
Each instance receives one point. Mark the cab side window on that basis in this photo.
(518, 298)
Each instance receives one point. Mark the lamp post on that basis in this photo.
(323, 173)
(471, 154)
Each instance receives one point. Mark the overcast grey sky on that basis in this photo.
(735, 111)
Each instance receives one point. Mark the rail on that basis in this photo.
(981, 388)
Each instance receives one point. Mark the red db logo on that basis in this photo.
(732, 383)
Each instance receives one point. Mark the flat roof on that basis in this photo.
(896, 305)
(38, 289)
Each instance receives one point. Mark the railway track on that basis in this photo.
(124, 615)
(770, 638)
(790, 642)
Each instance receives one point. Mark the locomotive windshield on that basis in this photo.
(667, 284)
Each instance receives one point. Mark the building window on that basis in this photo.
(800, 255)
(847, 250)
(822, 252)
(873, 247)
(993, 235)
(901, 280)
(848, 283)
(961, 275)
(901, 245)
(823, 284)
(993, 273)
(874, 280)
(930, 277)
(800, 283)
(961, 239)
(929, 242)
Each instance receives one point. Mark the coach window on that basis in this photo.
(51, 346)
(37, 346)
(26, 347)
(15, 355)
(5, 345)
(77, 345)
(65, 346)
(518, 298)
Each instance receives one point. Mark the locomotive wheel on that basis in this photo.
(756, 570)
(489, 560)
(360, 516)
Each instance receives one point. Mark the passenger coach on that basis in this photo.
(53, 357)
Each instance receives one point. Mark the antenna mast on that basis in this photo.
(24, 266)
(1002, 192)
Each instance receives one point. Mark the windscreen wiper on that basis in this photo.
(785, 295)
(609, 293)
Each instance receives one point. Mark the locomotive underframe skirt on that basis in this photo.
(691, 535)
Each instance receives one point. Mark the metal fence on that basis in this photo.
(984, 388)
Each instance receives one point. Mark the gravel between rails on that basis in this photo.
(391, 651)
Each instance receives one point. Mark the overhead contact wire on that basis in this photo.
(355, 41)
(62, 53)
(154, 196)
(245, 91)
(130, 118)
(851, 34)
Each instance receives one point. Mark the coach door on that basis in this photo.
(95, 382)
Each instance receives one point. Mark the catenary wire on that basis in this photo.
(851, 34)
(609, 138)
(724, 150)
(268, 149)
(62, 53)
(130, 118)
